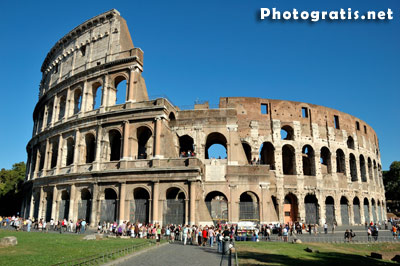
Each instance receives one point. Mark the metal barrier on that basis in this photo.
(332, 239)
(104, 257)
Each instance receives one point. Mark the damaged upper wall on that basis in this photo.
(99, 40)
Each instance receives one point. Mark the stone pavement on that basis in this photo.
(178, 255)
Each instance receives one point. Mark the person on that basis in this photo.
(347, 236)
(83, 226)
(309, 229)
(369, 234)
(375, 233)
(334, 227)
(29, 224)
(158, 231)
(326, 228)
(352, 235)
(205, 235)
(268, 233)
(219, 240)
(285, 234)
(185, 235)
(211, 235)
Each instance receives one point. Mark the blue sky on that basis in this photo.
(209, 49)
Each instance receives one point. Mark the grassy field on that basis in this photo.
(267, 253)
(47, 249)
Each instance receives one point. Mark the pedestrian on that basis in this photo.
(325, 228)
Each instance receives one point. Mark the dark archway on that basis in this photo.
(362, 169)
(215, 140)
(90, 142)
(366, 210)
(247, 151)
(325, 159)
(308, 157)
(61, 107)
(77, 100)
(356, 210)
(54, 153)
(85, 205)
(267, 154)
(290, 208)
(353, 168)
(288, 160)
(330, 210)
(174, 207)
(109, 206)
(340, 162)
(115, 144)
(287, 133)
(350, 143)
(371, 177)
(63, 210)
(312, 209)
(70, 151)
(186, 146)
(249, 207)
(140, 206)
(97, 91)
(143, 136)
(217, 205)
(344, 210)
(373, 209)
(49, 206)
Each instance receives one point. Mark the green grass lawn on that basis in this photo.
(47, 249)
(276, 253)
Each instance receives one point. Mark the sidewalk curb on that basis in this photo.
(127, 257)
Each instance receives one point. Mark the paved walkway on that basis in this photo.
(178, 255)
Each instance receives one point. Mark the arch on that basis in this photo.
(373, 209)
(340, 161)
(267, 154)
(42, 152)
(174, 206)
(70, 151)
(61, 107)
(50, 112)
(353, 168)
(54, 153)
(186, 146)
(140, 206)
(213, 139)
(371, 177)
(356, 210)
(290, 208)
(108, 212)
(115, 139)
(344, 210)
(143, 134)
(287, 133)
(366, 210)
(97, 91)
(77, 100)
(308, 157)
(362, 169)
(63, 209)
(120, 85)
(247, 151)
(249, 207)
(330, 210)
(85, 205)
(350, 142)
(312, 209)
(49, 205)
(217, 205)
(325, 159)
(288, 160)
(90, 142)
(171, 117)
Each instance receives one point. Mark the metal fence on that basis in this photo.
(333, 239)
(106, 256)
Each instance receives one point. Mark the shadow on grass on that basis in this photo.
(323, 258)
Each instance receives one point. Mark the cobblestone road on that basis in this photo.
(178, 255)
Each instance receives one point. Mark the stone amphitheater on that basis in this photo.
(101, 150)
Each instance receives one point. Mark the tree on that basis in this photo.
(11, 181)
(391, 180)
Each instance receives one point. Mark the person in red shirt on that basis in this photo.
(205, 235)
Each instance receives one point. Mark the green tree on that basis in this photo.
(391, 180)
(11, 181)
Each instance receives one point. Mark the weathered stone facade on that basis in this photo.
(90, 158)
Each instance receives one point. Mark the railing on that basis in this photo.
(106, 256)
(333, 239)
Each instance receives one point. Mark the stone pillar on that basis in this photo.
(351, 212)
(41, 204)
(233, 205)
(125, 149)
(302, 209)
(156, 194)
(362, 215)
(47, 158)
(31, 209)
(60, 155)
(45, 115)
(67, 112)
(193, 202)
(54, 204)
(76, 150)
(338, 213)
(157, 139)
(136, 89)
(71, 211)
(299, 162)
(99, 139)
(122, 196)
(186, 211)
(95, 206)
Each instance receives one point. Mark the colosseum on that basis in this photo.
(101, 150)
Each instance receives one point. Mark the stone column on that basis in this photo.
(76, 150)
(362, 215)
(338, 213)
(351, 212)
(157, 146)
(302, 208)
(47, 158)
(125, 149)
(95, 206)
(192, 202)
(122, 196)
(156, 193)
(59, 156)
(84, 98)
(186, 211)
(99, 139)
(54, 205)
(233, 207)
(71, 213)
(41, 203)
(31, 209)
(105, 93)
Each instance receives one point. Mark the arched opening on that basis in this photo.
(353, 168)
(143, 136)
(49, 113)
(54, 153)
(42, 152)
(312, 209)
(36, 202)
(77, 100)
(115, 145)
(330, 210)
(340, 162)
(97, 91)
(288, 160)
(40, 121)
(49, 205)
(350, 142)
(371, 177)
(174, 207)
(287, 133)
(186, 146)
(120, 86)
(267, 154)
(366, 210)
(344, 210)
(356, 211)
(290, 208)
(308, 160)
(247, 151)
(249, 207)
(216, 146)
(109, 206)
(373, 209)
(63, 209)
(85, 205)
(90, 148)
(325, 159)
(61, 107)
(380, 218)
(362, 169)
(217, 205)
(70, 151)
(140, 207)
